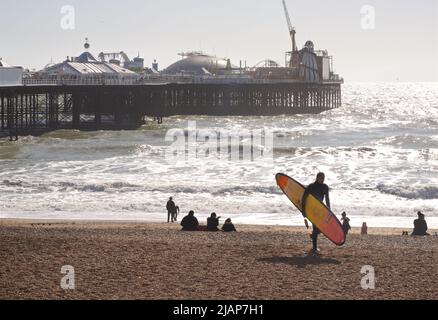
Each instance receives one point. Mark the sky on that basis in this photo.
(399, 44)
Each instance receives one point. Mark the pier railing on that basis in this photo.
(80, 82)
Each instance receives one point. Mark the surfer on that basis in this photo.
(320, 191)
(171, 209)
(420, 225)
(189, 222)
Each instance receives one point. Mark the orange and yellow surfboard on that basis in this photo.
(316, 211)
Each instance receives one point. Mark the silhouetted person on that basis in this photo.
(420, 226)
(170, 210)
(320, 191)
(189, 222)
(213, 222)
(228, 226)
(364, 230)
(176, 213)
(345, 223)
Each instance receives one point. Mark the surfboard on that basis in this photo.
(316, 211)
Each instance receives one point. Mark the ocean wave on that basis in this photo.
(409, 141)
(68, 186)
(218, 191)
(118, 186)
(414, 192)
(302, 151)
(247, 190)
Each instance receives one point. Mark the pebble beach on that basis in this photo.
(150, 261)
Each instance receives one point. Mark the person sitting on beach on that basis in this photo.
(213, 222)
(170, 206)
(189, 222)
(345, 223)
(420, 225)
(228, 226)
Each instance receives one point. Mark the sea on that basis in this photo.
(379, 153)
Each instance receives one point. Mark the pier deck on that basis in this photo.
(29, 110)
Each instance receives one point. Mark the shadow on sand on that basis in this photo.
(300, 262)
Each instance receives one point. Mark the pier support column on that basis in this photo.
(53, 106)
(76, 111)
(98, 98)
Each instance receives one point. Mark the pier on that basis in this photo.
(31, 110)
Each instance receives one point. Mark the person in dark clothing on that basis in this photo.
(176, 213)
(420, 225)
(320, 191)
(228, 226)
(213, 222)
(189, 222)
(345, 223)
(171, 208)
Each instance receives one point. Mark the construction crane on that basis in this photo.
(292, 31)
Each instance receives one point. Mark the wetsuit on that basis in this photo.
(319, 191)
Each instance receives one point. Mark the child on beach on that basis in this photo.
(176, 213)
(364, 230)
(345, 223)
(228, 226)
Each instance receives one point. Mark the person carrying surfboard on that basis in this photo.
(320, 191)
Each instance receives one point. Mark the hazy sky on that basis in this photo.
(403, 45)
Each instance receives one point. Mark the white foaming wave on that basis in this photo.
(409, 141)
(410, 192)
(371, 141)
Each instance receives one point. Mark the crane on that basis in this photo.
(292, 31)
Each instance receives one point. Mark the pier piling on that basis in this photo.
(36, 109)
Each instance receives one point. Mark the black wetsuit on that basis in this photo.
(319, 191)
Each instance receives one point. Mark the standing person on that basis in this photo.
(176, 213)
(364, 230)
(420, 225)
(189, 222)
(320, 191)
(170, 210)
(213, 222)
(345, 223)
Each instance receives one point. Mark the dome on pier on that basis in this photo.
(197, 63)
